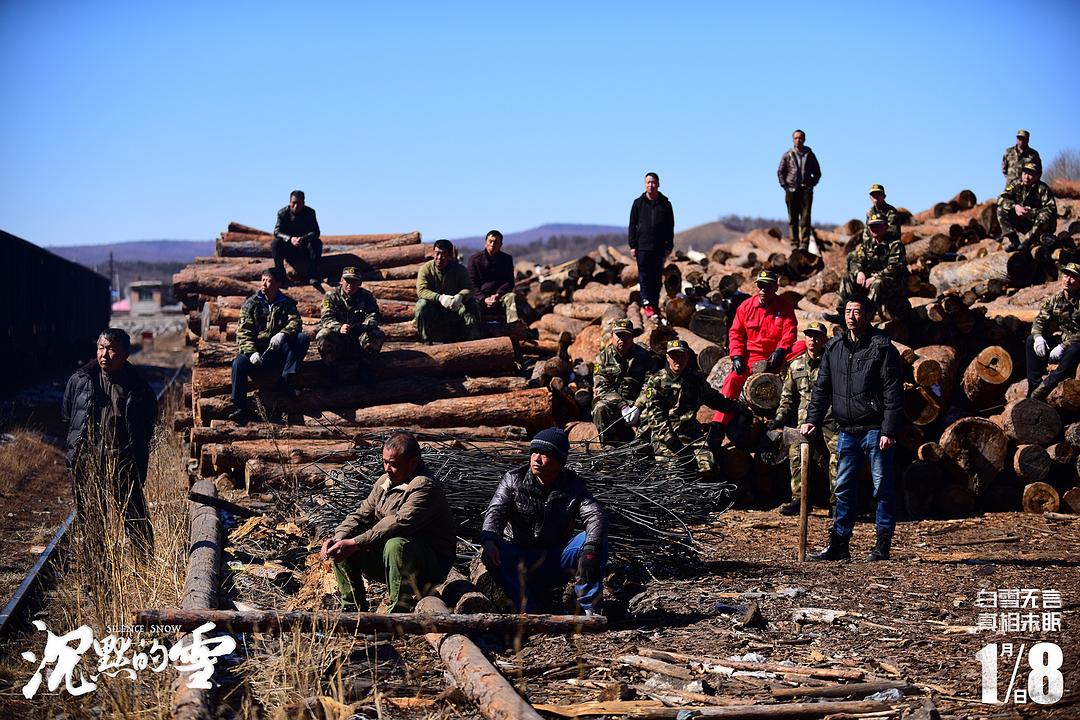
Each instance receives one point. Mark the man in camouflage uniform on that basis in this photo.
(446, 309)
(1016, 156)
(618, 376)
(877, 268)
(794, 402)
(1058, 319)
(669, 404)
(1026, 210)
(878, 206)
(270, 341)
(349, 328)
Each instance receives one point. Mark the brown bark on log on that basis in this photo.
(931, 452)
(1065, 398)
(1040, 497)
(241, 248)
(232, 458)
(926, 372)
(1064, 188)
(697, 343)
(712, 325)
(247, 268)
(1061, 453)
(986, 377)
(976, 450)
(582, 310)
(309, 305)
(553, 324)
(458, 592)
(1072, 434)
(1030, 422)
(1031, 463)
(679, 311)
(587, 344)
(762, 392)
(1016, 269)
(243, 233)
(182, 420)
(1071, 500)
(597, 293)
(235, 227)
(583, 436)
(190, 282)
(946, 359)
(929, 249)
(920, 406)
(261, 474)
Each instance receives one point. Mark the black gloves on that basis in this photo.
(588, 566)
(776, 359)
(738, 364)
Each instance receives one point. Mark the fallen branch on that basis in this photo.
(820, 673)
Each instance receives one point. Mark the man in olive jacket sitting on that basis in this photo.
(403, 534)
(529, 544)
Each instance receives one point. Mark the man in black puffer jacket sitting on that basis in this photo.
(860, 378)
(529, 545)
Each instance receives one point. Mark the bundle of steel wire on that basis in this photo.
(651, 504)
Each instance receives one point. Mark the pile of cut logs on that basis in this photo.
(973, 441)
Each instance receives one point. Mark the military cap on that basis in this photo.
(677, 346)
(624, 326)
(878, 219)
(816, 327)
(877, 188)
(1031, 167)
(767, 276)
(1071, 269)
(351, 273)
(1023, 133)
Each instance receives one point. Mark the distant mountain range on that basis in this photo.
(149, 251)
(543, 232)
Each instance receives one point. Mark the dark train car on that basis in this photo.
(52, 311)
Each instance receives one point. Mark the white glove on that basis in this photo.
(1057, 352)
(447, 301)
(456, 301)
(631, 414)
(277, 340)
(1040, 346)
(255, 358)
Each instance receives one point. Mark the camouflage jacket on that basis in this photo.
(261, 319)
(431, 282)
(887, 260)
(1038, 197)
(1012, 162)
(669, 405)
(617, 378)
(339, 309)
(1058, 315)
(890, 214)
(802, 374)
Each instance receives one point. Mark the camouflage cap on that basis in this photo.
(1032, 167)
(816, 327)
(1023, 133)
(1071, 269)
(677, 346)
(767, 277)
(624, 327)
(351, 273)
(878, 219)
(876, 187)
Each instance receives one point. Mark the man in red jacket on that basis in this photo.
(764, 329)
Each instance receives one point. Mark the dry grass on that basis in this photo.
(25, 456)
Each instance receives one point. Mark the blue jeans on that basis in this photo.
(854, 449)
(283, 362)
(650, 265)
(543, 569)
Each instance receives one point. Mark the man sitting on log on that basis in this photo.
(618, 377)
(1016, 156)
(446, 309)
(1026, 210)
(860, 378)
(529, 545)
(1058, 319)
(764, 329)
(669, 404)
(403, 534)
(878, 206)
(492, 274)
(270, 340)
(349, 327)
(296, 239)
(795, 400)
(878, 269)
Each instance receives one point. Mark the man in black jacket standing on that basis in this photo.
(528, 546)
(109, 411)
(860, 378)
(652, 237)
(798, 173)
(297, 239)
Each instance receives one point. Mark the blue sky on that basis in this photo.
(133, 120)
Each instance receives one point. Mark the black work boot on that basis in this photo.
(790, 508)
(837, 549)
(881, 547)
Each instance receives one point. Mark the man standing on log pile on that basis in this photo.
(446, 309)
(652, 238)
(1026, 210)
(403, 534)
(491, 272)
(296, 239)
(878, 206)
(877, 268)
(795, 399)
(798, 173)
(349, 327)
(1018, 155)
(618, 377)
(1058, 318)
(527, 535)
(860, 379)
(110, 411)
(669, 404)
(764, 329)
(270, 340)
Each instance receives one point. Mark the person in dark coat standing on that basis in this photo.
(652, 238)
(861, 378)
(298, 240)
(799, 173)
(110, 411)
